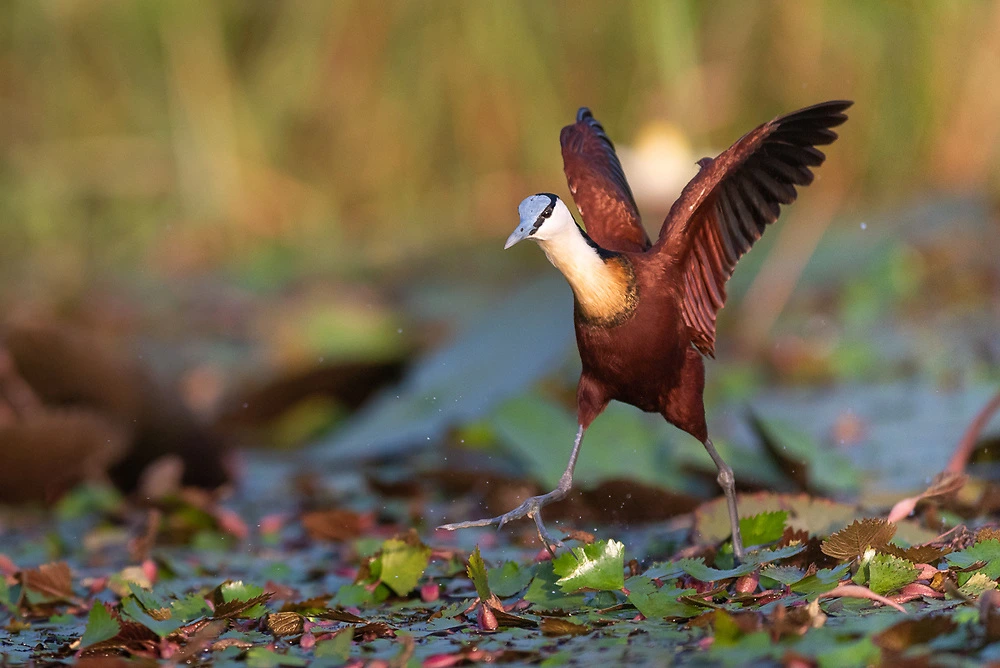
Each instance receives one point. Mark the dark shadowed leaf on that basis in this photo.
(546, 594)
(161, 625)
(599, 566)
(558, 626)
(507, 620)
(852, 541)
(918, 554)
(905, 634)
(510, 578)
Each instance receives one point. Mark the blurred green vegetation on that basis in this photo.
(265, 141)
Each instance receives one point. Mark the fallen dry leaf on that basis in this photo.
(853, 540)
(944, 484)
(54, 581)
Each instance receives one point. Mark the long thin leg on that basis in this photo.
(728, 484)
(533, 507)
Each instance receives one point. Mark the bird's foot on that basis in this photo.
(530, 508)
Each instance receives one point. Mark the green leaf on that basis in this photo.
(6, 600)
(402, 564)
(659, 602)
(599, 566)
(763, 528)
(847, 654)
(353, 595)
(510, 578)
(727, 632)
(190, 608)
(237, 591)
(545, 593)
(530, 426)
(986, 550)
(888, 573)
(89, 498)
(477, 573)
(147, 599)
(101, 626)
(976, 585)
(822, 581)
(817, 516)
(786, 575)
(697, 569)
(664, 570)
(337, 647)
(259, 657)
(533, 426)
(161, 627)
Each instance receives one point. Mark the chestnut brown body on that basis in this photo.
(645, 360)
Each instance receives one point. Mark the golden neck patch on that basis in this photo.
(603, 283)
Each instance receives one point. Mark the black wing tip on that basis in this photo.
(830, 106)
(584, 114)
(833, 109)
(841, 105)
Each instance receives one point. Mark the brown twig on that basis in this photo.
(968, 443)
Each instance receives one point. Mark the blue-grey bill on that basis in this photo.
(519, 234)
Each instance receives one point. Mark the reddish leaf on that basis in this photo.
(54, 581)
(335, 525)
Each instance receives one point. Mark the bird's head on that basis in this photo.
(543, 216)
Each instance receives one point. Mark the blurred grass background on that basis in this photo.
(255, 195)
(270, 139)
(301, 163)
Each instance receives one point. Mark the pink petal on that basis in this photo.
(903, 508)
(442, 660)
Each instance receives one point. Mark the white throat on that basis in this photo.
(603, 290)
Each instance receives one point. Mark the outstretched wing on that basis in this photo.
(727, 206)
(599, 187)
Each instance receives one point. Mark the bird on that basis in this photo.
(644, 311)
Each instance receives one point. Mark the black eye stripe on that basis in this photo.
(543, 216)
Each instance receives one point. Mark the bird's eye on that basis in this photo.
(547, 212)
